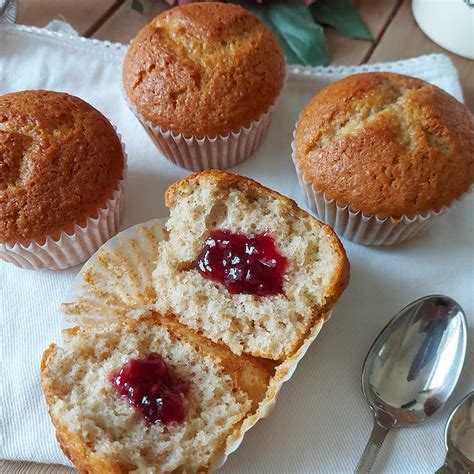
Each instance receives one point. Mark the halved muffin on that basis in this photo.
(245, 266)
(102, 430)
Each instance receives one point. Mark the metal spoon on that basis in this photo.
(412, 367)
(459, 438)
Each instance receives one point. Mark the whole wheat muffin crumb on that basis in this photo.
(102, 433)
(264, 326)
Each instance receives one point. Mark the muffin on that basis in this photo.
(99, 428)
(202, 79)
(379, 154)
(193, 396)
(245, 265)
(61, 171)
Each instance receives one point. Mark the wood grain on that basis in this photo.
(376, 15)
(81, 15)
(404, 39)
(125, 23)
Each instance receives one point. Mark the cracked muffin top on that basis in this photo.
(386, 144)
(204, 69)
(60, 160)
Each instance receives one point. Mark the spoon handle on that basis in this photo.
(373, 447)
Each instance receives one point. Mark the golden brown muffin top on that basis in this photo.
(60, 160)
(204, 69)
(386, 144)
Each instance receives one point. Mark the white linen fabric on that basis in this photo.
(321, 421)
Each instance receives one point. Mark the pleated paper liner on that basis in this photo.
(356, 226)
(117, 281)
(71, 249)
(197, 154)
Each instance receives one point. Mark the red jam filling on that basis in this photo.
(150, 387)
(243, 264)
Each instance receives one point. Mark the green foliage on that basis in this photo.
(301, 38)
(137, 6)
(341, 15)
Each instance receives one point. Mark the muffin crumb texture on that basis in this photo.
(60, 160)
(265, 326)
(204, 69)
(102, 433)
(386, 144)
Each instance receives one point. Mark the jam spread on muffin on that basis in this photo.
(243, 264)
(149, 386)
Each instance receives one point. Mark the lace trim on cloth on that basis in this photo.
(63, 32)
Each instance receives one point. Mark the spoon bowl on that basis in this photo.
(413, 367)
(459, 438)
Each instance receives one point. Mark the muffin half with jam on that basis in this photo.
(147, 395)
(245, 265)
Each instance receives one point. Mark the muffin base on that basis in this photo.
(358, 227)
(70, 250)
(198, 154)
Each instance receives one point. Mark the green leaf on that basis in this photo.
(137, 6)
(262, 14)
(343, 16)
(300, 37)
(304, 36)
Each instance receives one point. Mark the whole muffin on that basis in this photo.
(384, 145)
(61, 163)
(203, 70)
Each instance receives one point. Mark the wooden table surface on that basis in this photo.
(391, 22)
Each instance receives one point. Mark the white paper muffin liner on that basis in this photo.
(197, 154)
(356, 226)
(71, 249)
(117, 281)
(117, 278)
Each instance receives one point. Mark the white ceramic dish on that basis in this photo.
(449, 23)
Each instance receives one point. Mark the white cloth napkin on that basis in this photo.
(321, 422)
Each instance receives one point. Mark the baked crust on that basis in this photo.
(340, 278)
(248, 374)
(60, 161)
(386, 144)
(204, 69)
